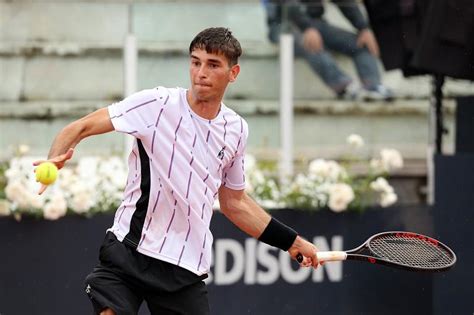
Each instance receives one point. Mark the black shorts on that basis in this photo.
(125, 278)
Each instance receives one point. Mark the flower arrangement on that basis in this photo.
(96, 184)
(329, 184)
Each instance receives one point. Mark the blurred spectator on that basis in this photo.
(315, 38)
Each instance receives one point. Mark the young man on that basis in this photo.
(189, 149)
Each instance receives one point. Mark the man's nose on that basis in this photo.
(202, 72)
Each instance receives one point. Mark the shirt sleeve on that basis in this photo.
(136, 113)
(234, 173)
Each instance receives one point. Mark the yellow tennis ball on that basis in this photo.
(46, 173)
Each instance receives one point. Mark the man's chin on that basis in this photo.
(201, 94)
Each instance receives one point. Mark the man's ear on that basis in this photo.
(234, 72)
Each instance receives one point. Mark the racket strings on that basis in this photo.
(411, 251)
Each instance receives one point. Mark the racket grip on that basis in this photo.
(326, 256)
(332, 256)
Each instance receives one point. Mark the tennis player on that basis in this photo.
(189, 149)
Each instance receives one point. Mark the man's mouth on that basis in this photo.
(203, 84)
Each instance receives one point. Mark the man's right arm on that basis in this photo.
(61, 150)
(94, 123)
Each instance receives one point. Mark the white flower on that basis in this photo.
(55, 208)
(250, 162)
(249, 188)
(12, 173)
(388, 199)
(355, 141)
(87, 171)
(387, 194)
(326, 170)
(81, 202)
(93, 182)
(319, 168)
(258, 177)
(18, 194)
(4, 208)
(300, 180)
(112, 171)
(66, 178)
(340, 196)
(391, 159)
(23, 149)
(381, 185)
(17, 216)
(36, 201)
(376, 165)
(77, 186)
(82, 197)
(270, 204)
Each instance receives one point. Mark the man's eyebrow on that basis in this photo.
(214, 61)
(210, 60)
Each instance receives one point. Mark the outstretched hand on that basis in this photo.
(307, 250)
(59, 161)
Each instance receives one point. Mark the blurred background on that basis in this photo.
(62, 59)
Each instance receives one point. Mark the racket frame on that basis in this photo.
(364, 253)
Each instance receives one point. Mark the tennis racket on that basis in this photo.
(399, 249)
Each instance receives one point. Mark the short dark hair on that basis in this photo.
(218, 40)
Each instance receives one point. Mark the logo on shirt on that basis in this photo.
(220, 155)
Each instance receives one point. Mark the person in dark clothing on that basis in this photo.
(315, 38)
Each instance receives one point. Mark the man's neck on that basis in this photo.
(205, 109)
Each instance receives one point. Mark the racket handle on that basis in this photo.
(326, 256)
(332, 256)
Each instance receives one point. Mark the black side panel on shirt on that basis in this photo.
(138, 219)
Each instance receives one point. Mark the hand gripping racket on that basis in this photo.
(405, 250)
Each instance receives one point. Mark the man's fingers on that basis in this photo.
(303, 261)
(69, 153)
(42, 189)
(36, 163)
(308, 261)
(315, 263)
(66, 156)
(60, 160)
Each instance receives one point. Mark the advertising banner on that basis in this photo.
(44, 264)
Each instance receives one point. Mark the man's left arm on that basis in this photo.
(248, 216)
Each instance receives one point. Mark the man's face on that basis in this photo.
(210, 74)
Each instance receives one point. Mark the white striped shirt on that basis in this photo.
(177, 164)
